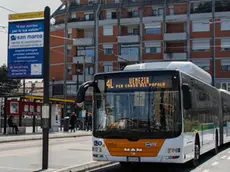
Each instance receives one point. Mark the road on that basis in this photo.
(208, 163)
(27, 155)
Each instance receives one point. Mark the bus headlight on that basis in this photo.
(96, 149)
(173, 150)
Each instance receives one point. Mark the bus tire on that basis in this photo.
(216, 150)
(125, 165)
(196, 158)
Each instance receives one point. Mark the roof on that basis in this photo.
(183, 66)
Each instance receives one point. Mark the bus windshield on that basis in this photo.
(128, 105)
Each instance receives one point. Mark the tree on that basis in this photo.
(7, 86)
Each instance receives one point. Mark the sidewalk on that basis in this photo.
(38, 136)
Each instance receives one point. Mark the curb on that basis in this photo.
(85, 167)
(40, 138)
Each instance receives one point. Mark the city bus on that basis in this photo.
(163, 112)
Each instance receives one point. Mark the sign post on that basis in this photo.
(29, 58)
(46, 108)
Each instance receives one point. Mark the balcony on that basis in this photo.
(128, 57)
(175, 56)
(175, 36)
(81, 78)
(129, 39)
(83, 41)
(83, 59)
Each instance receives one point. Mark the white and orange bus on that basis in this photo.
(165, 112)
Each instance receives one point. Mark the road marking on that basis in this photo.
(229, 152)
(229, 157)
(205, 171)
(223, 157)
(215, 163)
(18, 169)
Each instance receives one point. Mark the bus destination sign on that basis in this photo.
(135, 82)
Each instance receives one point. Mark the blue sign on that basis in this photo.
(25, 49)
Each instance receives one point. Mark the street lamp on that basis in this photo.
(67, 4)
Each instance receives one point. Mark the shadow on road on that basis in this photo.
(187, 167)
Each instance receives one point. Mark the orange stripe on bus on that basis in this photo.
(140, 148)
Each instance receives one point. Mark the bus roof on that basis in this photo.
(183, 66)
(224, 91)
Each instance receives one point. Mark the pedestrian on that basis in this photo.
(73, 120)
(89, 126)
(12, 124)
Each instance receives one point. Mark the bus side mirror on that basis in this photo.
(82, 90)
(187, 99)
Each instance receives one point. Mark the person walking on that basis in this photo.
(73, 120)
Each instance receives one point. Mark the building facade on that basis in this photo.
(106, 35)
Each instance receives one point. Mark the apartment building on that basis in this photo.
(106, 35)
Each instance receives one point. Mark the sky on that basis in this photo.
(19, 6)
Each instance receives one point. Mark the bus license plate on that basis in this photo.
(133, 159)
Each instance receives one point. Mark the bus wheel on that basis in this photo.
(125, 165)
(196, 154)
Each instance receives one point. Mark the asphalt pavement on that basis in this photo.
(27, 155)
(208, 163)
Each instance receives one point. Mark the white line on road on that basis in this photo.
(223, 157)
(229, 157)
(215, 163)
(18, 169)
(205, 171)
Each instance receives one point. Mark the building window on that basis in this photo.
(201, 45)
(225, 44)
(87, 51)
(69, 50)
(129, 50)
(200, 26)
(225, 86)
(108, 30)
(152, 47)
(225, 25)
(171, 11)
(108, 49)
(73, 15)
(225, 68)
(89, 16)
(111, 15)
(70, 33)
(155, 12)
(161, 11)
(225, 65)
(152, 50)
(153, 28)
(108, 68)
(69, 69)
(89, 70)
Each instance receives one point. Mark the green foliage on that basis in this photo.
(206, 7)
(7, 85)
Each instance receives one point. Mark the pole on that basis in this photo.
(5, 114)
(188, 30)
(77, 76)
(65, 54)
(164, 30)
(34, 118)
(21, 100)
(45, 108)
(213, 44)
